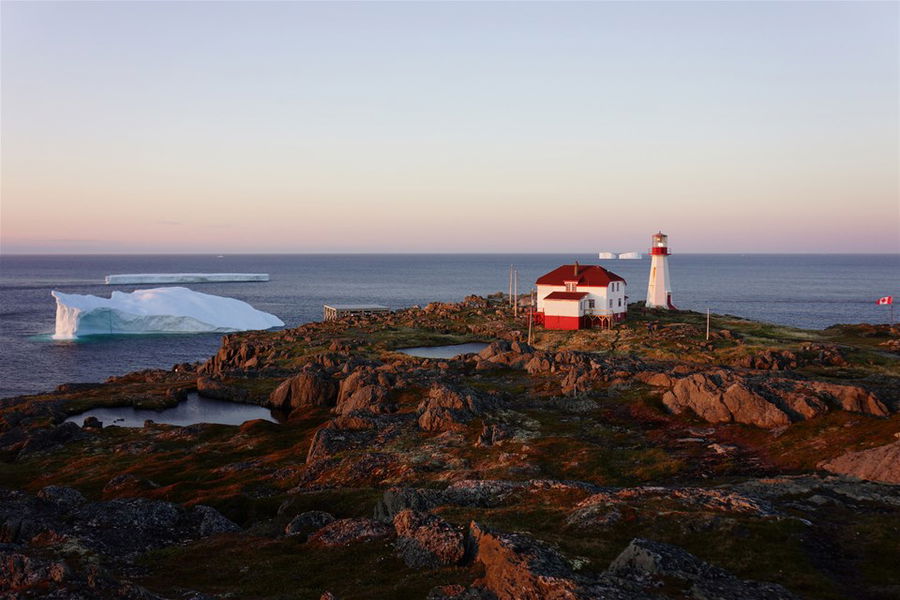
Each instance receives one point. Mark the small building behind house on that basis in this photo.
(580, 297)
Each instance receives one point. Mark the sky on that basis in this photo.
(449, 126)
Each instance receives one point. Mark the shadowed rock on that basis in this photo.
(350, 531)
(308, 522)
(652, 563)
(449, 408)
(427, 541)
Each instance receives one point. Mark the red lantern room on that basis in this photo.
(659, 244)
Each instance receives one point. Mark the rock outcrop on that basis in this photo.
(311, 387)
(875, 464)
(517, 567)
(308, 522)
(651, 563)
(449, 408)
(343, 532)
(427, 541)
(722, 396)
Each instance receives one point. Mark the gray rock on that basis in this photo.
(308, 522)
(212, 522)
(63, 497)
(399, 498)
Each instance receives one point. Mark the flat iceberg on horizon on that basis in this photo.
(140, 278)
(158, 310)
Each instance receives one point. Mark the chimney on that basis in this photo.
(576, 269)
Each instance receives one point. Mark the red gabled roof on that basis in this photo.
(587, 275)
(565, 295)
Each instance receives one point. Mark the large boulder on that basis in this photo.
(365, 390)
(328, 441)
(450, 408)
(653, 564)
(122, 528)
(851, 398)
(875, 464)
(517, 567)
(723, 396)
(350, 531)
(307, 523)
(717, 399)
(311, 387)
(427, 541)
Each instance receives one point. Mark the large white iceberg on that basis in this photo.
(141, 278)
(159, 310)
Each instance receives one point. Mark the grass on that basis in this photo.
(258, 567)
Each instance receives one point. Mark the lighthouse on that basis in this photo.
(659, 290)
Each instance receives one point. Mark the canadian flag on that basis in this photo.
(885, 300)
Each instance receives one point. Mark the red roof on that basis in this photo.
(565, 295)
(586, 275)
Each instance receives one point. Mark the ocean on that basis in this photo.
(810, 291)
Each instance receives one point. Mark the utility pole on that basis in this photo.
(516, 293)
(530, 325)
(707, 324)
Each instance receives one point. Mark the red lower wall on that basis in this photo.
(557, 322)
(571, 323)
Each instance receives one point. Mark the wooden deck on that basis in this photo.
(332, 312)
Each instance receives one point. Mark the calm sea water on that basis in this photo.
(811, 291)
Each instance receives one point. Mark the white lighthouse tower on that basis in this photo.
(659, 290)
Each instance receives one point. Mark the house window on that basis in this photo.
(610, 303)
(590, 304)
(620, 302)
(570, 286)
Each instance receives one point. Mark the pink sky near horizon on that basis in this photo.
(370, 127)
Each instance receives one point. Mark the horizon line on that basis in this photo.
(363, 253)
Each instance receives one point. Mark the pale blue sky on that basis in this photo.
(405, 126)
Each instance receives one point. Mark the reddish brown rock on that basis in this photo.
(328, 441)
(350, 531)
(427, 541)
(311, 387)
(719, 399)
(876, 464)
(723, 396)
(451, 408)
(850, 398)
(520, 568)
(365, 390)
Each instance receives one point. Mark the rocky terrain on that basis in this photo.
(641, 462)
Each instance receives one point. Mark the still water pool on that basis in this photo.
(444, 351)
(194, 409)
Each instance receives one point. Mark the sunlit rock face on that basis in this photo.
(159, 310)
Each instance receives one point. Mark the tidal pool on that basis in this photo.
(195, 409)
(444, 351)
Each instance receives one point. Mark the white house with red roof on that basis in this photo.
(580, 297)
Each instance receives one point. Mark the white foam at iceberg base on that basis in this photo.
(159, 310)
